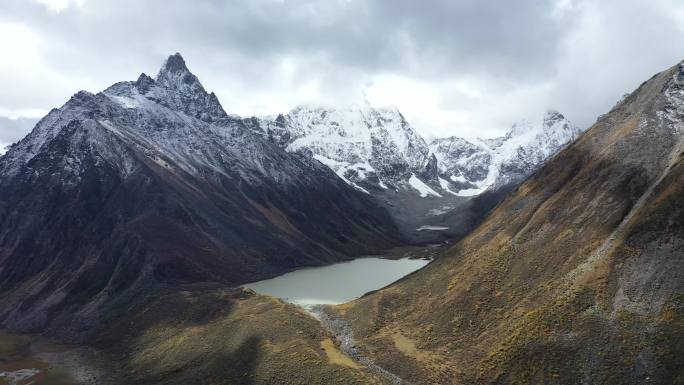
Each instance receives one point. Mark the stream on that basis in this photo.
(345, 338)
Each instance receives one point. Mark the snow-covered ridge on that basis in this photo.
(373, 147)
(486, 163)
(171, 121)
(376, 149)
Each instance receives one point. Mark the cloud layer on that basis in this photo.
(468, 67)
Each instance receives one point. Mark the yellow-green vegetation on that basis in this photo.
(228, 336)
(13, 347)
(336, 357)
(408, 347)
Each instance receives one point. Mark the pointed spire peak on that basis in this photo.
(175, 75)
(174, 70)
(144, 82)
(182, 91)
(144, 78)
(174, 64)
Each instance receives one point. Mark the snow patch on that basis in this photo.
(458, 179)
(340, 168)
(431, 228)
(441, 210)
(470, 192)
(20, 375)
(423, 189)
(124, 101)
(445, 186)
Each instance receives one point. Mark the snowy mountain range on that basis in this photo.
(375, 149)
(367, 147)
(150, 182)
(171, 122)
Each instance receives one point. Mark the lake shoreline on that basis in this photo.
(337, 283)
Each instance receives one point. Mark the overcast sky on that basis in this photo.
(453, 67)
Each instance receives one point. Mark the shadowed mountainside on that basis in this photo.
(151, 182)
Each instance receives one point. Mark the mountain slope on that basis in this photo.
(151, 183)
(576, 277)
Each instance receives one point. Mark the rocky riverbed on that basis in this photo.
(344, 336)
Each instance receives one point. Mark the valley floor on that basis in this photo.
(30, 359)
(201, 334)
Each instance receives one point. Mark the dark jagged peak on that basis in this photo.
(431, 171)
(144, 83)
(175, 74)
(146, 191)
(183, 91)
(175, 88)
(175, 63)
(280, 121)
(81, 96)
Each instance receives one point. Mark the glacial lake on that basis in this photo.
(338, 283)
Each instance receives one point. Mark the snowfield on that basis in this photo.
(423, 189)
(431, 228)
(377, 149)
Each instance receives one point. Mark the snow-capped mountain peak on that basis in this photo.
(484, 163)
(375, 147)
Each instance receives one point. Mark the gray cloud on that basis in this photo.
(453, 67)
(12, 130)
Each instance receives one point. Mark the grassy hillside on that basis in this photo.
(576, 277)
(226, 336)
(195, 335)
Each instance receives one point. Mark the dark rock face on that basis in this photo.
(431, 172)
(150, 183)
(180, 90)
